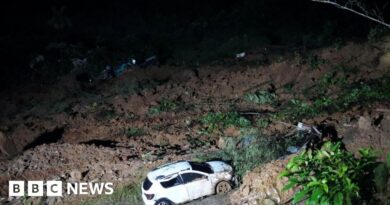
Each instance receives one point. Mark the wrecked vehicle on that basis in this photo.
(184, 181)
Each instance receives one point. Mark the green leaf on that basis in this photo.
(324, 201)
(325, 187)
(289, 185)
(314, 183)
(338, 200)
(317, 193)
(300, 195)
(284, 173)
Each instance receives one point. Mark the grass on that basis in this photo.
(218, 120)
(128, 195)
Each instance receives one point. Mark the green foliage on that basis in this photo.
(262, 123)
(163, 106)
(219, 120)
(330, 175)
(250, 151)
(328, 80)
(350, 95)
(261, 97)
(315, 61)
(128, 195)
(382, 178)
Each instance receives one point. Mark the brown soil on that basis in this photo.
(52, 131)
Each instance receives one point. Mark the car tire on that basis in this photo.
(223, 187)
(163, 202)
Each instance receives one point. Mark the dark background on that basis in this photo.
(179, 32)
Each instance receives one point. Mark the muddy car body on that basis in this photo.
(184, 181)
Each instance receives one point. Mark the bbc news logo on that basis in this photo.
(55, 188)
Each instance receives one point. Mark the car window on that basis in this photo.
(190, 177)
(147, 184)
(171, 183)
(201, 167)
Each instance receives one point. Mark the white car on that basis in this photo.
(184, 181)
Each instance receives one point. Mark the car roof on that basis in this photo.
(166, 170)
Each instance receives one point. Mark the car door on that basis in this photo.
(197, 184)
(174, 190)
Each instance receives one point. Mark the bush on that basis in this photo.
(330, 175)
(261, 97)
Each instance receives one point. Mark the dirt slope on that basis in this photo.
(117, 129)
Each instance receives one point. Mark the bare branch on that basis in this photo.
(358, 8)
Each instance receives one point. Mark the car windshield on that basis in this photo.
(202, 167)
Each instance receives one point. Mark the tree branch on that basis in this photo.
(373, 16)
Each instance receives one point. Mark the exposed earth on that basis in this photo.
(117, 130)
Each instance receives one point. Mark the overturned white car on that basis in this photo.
(184, 181)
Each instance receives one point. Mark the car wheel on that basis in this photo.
(163, 202)
(223, 187)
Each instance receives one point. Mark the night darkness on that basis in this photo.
(116, 30)
(100, 93)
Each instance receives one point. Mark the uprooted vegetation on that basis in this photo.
(243, 116)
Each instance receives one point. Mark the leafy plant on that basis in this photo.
(163, 106)
(261, 97)
(249, 151)
(330, 175)
(219, 120)
(328, 80)
(381, 179)
(363, 92)
(262, 123)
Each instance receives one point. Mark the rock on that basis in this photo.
(364, 124)
(268, 202)
(221, 144)
(75, 175)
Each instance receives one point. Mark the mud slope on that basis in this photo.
(116, 130)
